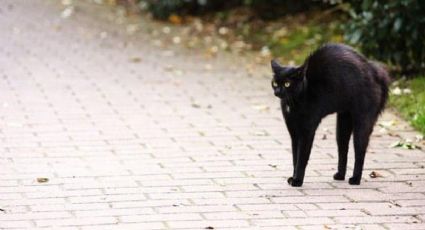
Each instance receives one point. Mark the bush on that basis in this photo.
(390, 31)
(162, 9)
(270, 9)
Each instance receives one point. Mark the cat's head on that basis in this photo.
(287, 80)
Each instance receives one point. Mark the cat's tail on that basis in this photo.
(383, 79)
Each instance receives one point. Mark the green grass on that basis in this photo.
(292, 39)
(411, 106)
(302, 40)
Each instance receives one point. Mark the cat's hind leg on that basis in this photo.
(344, 128)
(362, 129)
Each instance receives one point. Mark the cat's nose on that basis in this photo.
(277, 92)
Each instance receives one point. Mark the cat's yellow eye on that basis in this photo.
(287, 84)
(274, 83)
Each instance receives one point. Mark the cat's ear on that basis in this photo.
(276, 67)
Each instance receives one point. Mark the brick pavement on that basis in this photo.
(139, 145)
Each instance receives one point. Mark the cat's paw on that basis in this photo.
(354, 180)
(295, 182)
(290, 180)
(339, 176)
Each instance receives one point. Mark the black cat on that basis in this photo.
(332, 79)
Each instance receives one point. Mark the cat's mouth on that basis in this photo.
(278, 93)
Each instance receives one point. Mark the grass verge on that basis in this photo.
(408, 98)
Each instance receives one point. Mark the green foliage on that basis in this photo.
(411, 105)
(270, 9)
(390, 30)
(162, 9)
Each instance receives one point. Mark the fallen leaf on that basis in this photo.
(66, 2)
(194, 105)
(209, 227)
(265, 51)
(42, 180)
(261, 107)
(178, 72)
(387, 124)
(396, 144)
(407, 91)
(177, 40)
(103, 35)
(169, 68)
(394, 203)
(67, 12)
(132, 28)
(223, 30)
(406, 144)
(166, 30)
(157, 43)
(396, 91)
(261, 133)
(168, 53)
(374, 174)
(273, 166)
(208, 67)
(175, 19)
(135, 59)
(324, 137)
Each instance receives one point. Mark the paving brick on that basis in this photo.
(376, 219)
(15, 224)
(311, 199)
(406, 226)
(76, 221)
(160, 217)
(113, 212)
(35, 216)
(235, 224)
(135, 226)
(130, 145)
(348, 226)
(196, 209)
(293, 221)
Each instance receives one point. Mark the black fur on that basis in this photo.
(333, 79)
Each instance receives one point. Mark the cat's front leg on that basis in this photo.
(295, 182)
(292, 129)
(303, 154)
(291, 181)
(294, 141)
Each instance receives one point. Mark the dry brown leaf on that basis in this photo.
(374, 174)
(261, 107)
(135, 59)
(42, 180)
(175, 19)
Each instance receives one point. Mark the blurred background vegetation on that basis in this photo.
(391, 31)
(388, 31)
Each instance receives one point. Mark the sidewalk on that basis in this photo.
(101, 130)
